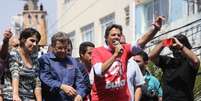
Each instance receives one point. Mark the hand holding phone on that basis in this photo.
(168, 42)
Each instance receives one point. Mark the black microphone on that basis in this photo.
(117, 44)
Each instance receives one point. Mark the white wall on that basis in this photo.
(82, 12)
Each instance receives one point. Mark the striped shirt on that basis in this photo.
(28, 77)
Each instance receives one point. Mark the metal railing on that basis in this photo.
(191, 30)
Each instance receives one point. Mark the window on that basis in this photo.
(67, 1)
(29, 17)
(106, 21)
(127, 15)
(156, 8)
(177, 10)
(42, 16)
(37, 20)
(88, 32)
(194, 6)
(150, 13)
(199, 6)
(191, 7)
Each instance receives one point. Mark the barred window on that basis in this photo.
(156, 8)
(88, 32)
(106, 21)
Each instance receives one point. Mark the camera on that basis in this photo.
(168, 42)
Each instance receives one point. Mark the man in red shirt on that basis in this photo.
(109, 63)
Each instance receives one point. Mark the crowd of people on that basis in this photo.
(116, 71)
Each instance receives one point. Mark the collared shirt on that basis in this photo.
(132, 48)
(85, 75)
(134, 76)
(54, 72)
(111, 85)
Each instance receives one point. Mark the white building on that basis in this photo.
(86, 20)
(182, 16)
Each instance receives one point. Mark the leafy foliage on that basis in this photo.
(157, 72)
(197, 87)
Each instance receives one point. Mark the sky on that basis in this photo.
(11, 8)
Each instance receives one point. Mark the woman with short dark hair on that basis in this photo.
(21, 79)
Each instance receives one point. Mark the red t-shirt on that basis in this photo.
(112, 85)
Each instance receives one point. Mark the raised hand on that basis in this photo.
(177, 44)
(7, 34)
(158, 22)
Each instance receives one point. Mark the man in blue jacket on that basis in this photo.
(60, 74)
(85, 51)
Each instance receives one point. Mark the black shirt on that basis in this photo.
(178, 78)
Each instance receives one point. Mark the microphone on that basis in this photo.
(117, 44)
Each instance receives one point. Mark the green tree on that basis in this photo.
(197, 87)
(157, 72)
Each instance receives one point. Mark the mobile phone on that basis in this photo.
(168, 42)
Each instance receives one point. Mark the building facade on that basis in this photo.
(86, 20)
(34, 16)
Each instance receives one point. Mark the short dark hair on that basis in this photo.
(59, 36)
(28, 32)
(144, 55)
(83, 47)
(184, 40)
(107, 31)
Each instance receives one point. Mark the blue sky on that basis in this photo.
(11, 8)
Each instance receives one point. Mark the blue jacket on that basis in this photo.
(85, 75)
(152, 85)
(54, 72)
